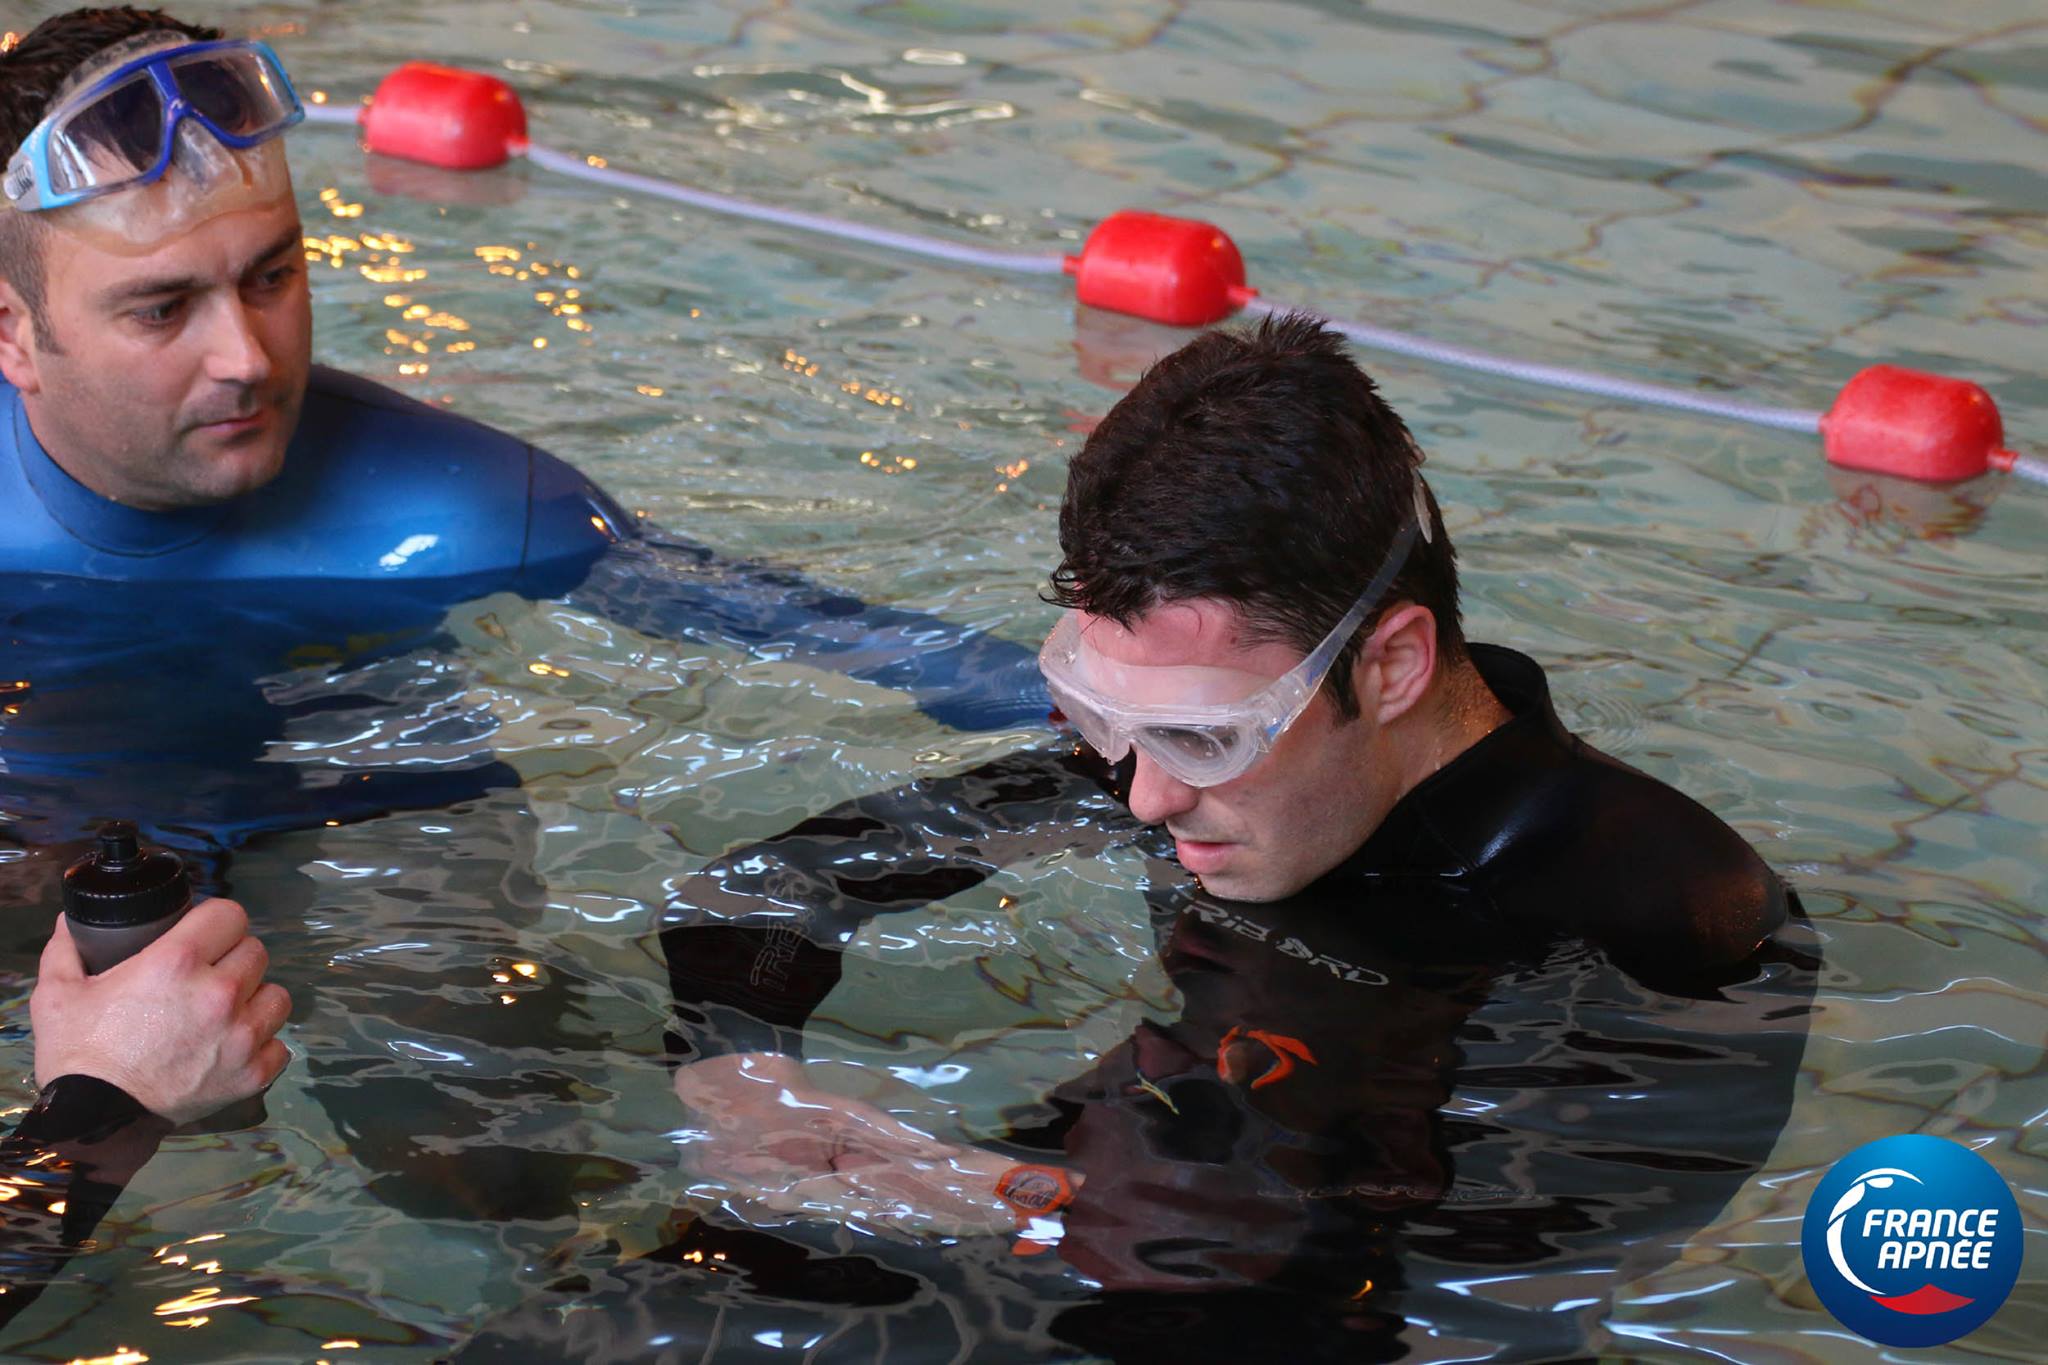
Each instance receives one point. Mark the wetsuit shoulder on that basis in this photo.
(27, 529)
(461, 497)
(1660, 881)
(1554, 837)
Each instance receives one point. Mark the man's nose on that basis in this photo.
(1157, 797)
(235, 350)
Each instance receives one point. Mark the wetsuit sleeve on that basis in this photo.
(62, 1168)
(663, 585)
(964, 678)
(754, 940)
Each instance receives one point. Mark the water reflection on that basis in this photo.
(1377, 1114)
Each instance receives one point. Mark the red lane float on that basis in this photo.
(1173, 270)
(447, 117)
(1892, 420)
(1185, 273)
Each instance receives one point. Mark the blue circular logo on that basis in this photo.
(1912, 1241)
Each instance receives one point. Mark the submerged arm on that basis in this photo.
(963, 678)
(754, 939)
(62, 1168)
(755, 943)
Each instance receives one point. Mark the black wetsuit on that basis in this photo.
(64, 1165)
(1284, 1145)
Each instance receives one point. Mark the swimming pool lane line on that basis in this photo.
(1552, 376)
(592, 170)
(911, 243)
(2027, 467)
(335, 115)
(1054, 263)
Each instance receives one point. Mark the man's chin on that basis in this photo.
(230, 468)
(1242, 884)
(1253, 881)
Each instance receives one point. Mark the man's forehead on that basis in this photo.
(1200, 631)
(216, 250)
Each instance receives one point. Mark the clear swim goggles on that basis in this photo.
(122, 129)
(1212, 731)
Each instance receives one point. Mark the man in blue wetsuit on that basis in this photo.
(164, 421)
(191, 506)
(162, 428)
(154, 341)
(171, 460)
(1411, 882)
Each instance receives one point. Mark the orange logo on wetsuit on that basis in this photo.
(1285, 1052)
(1032, 1191)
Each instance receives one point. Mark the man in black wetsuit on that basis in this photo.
(1413, 882)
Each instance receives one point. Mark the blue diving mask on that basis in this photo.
(122, 130)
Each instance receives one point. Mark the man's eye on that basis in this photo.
(159, 314)
(278, 278)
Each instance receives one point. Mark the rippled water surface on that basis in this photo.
(1761, 197)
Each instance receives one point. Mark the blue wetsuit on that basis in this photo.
(376, 488)
(140, 654)
(425, 509)
(136, 640)
(386, 513)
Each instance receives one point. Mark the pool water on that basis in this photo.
(1752, 196)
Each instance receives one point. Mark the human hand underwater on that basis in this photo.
(185, 1026)
(785, 1145)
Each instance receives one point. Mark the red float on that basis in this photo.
(1893, 420)
(1186, 273)
(461, 120)
(1172, 270)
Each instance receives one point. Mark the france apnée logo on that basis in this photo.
(1912, 1241)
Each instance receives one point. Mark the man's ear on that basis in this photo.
(1404, 653)
(17, 341)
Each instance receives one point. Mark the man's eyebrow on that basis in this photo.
(294, 241)
(148, 289)
(185, 284)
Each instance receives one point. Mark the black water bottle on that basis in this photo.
(120, 898)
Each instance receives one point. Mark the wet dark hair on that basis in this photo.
(31, 75)
(1262, 468)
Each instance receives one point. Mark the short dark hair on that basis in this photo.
(1261, 468)
(31, 74)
